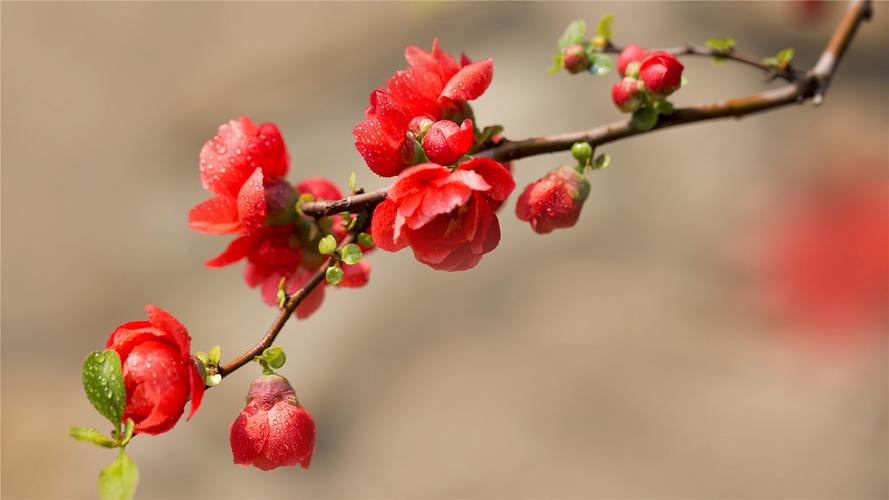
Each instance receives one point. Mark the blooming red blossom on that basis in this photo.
(626, 95)
(632, 53)
(158, 371)
(273, 430)
(242, 166)
(661, 72)
(553, 201)
(574, 59)
(434, 86)
(445, 142)
(445, 216)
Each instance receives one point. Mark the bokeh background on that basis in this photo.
(713, 327)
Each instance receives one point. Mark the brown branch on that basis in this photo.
(809, 85)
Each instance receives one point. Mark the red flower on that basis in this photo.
(434, 86)
(445, 216)
(626, 95)
(575, 60)
(661, 72)
(158, 371)
(553, 201)
(273, 430)
(242, 165)
(445, 142)
(632, 53)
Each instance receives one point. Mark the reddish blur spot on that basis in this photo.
(809, 11)
(827, 259)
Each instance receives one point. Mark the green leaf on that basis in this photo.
(721, 44)
(118, 481)
(90, 435)
(557, 65)
(333, 275)
(327, 245)
(351, 254)
(128, 429)
(274, 356)
(644, 118)
(601, 63)
(573, 34)
(103, 383)
(487, 133)
(602, 161)
(663, 107)
(604, 27)
(365, 240)
(785, 56)
(214, 354)
(352, 180)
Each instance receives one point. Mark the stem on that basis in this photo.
(809, 85)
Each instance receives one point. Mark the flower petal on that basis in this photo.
(251, 202)
(470, 82)
(218, 215)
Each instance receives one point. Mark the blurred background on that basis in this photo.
(714, 327)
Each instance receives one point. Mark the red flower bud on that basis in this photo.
(553, 201)
(661, 72)
(158, 371)
(445, 142)
(626, 95)
(574, 59)
(273, 430)
(632, 53)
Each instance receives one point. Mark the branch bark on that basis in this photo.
(809, 85)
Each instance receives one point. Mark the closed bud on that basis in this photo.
(662, 73)
(629, 59)
(574, 59)
(553, 201)
(445, 142)
(626, 95)
(273, 430)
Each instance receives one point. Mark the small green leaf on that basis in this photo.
(485, 135)
(770, 61)
(351, 253)
(644, 118)
(202, 357)
(90, 435)
(327, 245)
(602, 161)
(303, 198)
(118, 481)
(663, 107)
(722, 45)
(280, 298)
(129, 427)
(333, 275)
(215, 354)
(785, 56)
(103, 383)
(352, 180)
(365, 240)
(274, 356)
(604, 27)
(574, 34)
(601, 63)
(557, 65)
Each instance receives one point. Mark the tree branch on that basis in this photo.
(809, 85)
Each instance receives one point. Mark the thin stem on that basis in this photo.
(809, 85)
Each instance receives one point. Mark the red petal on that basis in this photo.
(382, 227)
(495, 174)
(236, 250)
(248, 434)
(196, 389)
(267, 151)
(291, 435)
(218, 215)
(415, 179)
(356, 275)
(129, 335)
(251, 202)
(320, 188)
(470, 82)
(313, 301)
(380, 155)
(157, 381)
(171, 327)
(222, 168)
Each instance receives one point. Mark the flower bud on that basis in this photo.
(626, 95)
(419, 125)
(445, 142)
(661, 72)
(553, 201)
(273, 430)
(574, 59)
(629, 59)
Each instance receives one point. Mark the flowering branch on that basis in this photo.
(809, 85)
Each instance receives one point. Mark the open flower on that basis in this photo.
(158, 371)
(273, 430)
(433, 87)
(445, 216)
